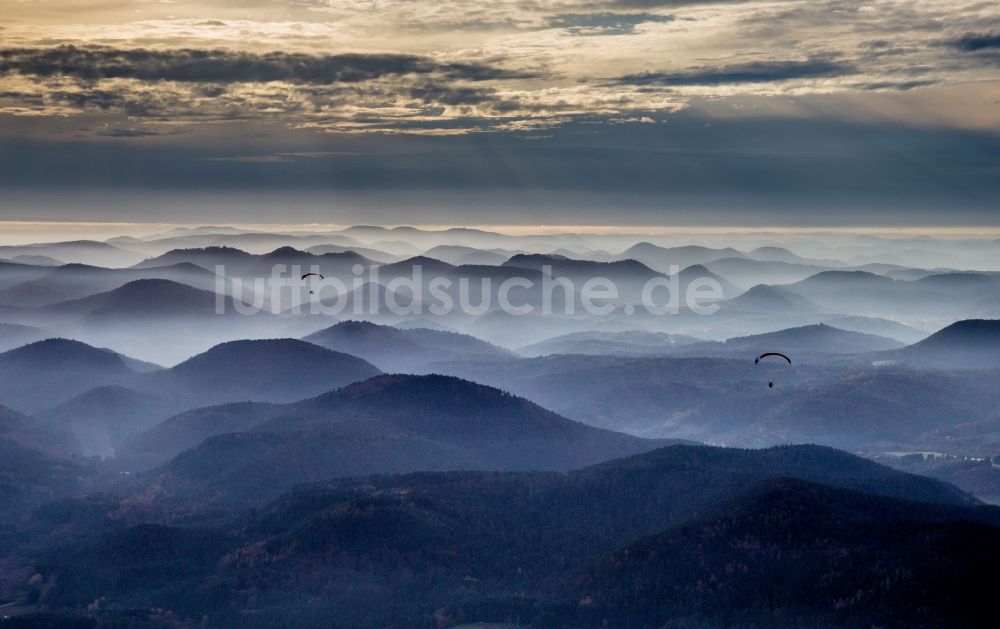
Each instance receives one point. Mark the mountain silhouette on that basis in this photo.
(834, 283)
(458, 255)
(14, 273)
(104, 418)
(799, 528)
(404, 268)
(803, 548)
(75, 281)
(698, 272)
(49, 372)
(631, 342)
(812, 339)
(272, 370)
(33, 465)
(628, 276)
(396, 350)
(333, 264)
(764, 299)
(162, 442)
(774, 254)
(205, 257)
(884, 404)
(877, 326)
(81, 251)
(374, 255)
(661, 258)
(746, 272)
(388, 424)
(868, 294)
(29, 433)
(37, 260)
(142, 298)
(720, 395)
(969, 344)
(577, 269)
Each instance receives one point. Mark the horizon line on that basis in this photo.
(154, 227)
(26, 232)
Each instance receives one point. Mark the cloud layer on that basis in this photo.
(225, 66)
(753, 72)
(457, 66)
(644, 111)
(971, 42)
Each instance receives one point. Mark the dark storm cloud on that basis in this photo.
(972, 42)
(753, 72)
(221, 66)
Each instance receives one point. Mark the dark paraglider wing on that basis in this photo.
(310, 274)
(766, 354)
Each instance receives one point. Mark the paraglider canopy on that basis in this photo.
(770, 385)
(310, 274)
(766, 354)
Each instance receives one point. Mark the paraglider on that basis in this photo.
(756, 361)
(311, 274)
(766, 354)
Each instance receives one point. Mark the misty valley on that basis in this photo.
(816, 442)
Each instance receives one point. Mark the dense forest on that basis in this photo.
(682, 536)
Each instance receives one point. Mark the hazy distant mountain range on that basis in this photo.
(167, 461)
(404, 350)
(389, 424)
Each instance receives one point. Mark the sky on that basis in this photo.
(588, 112)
